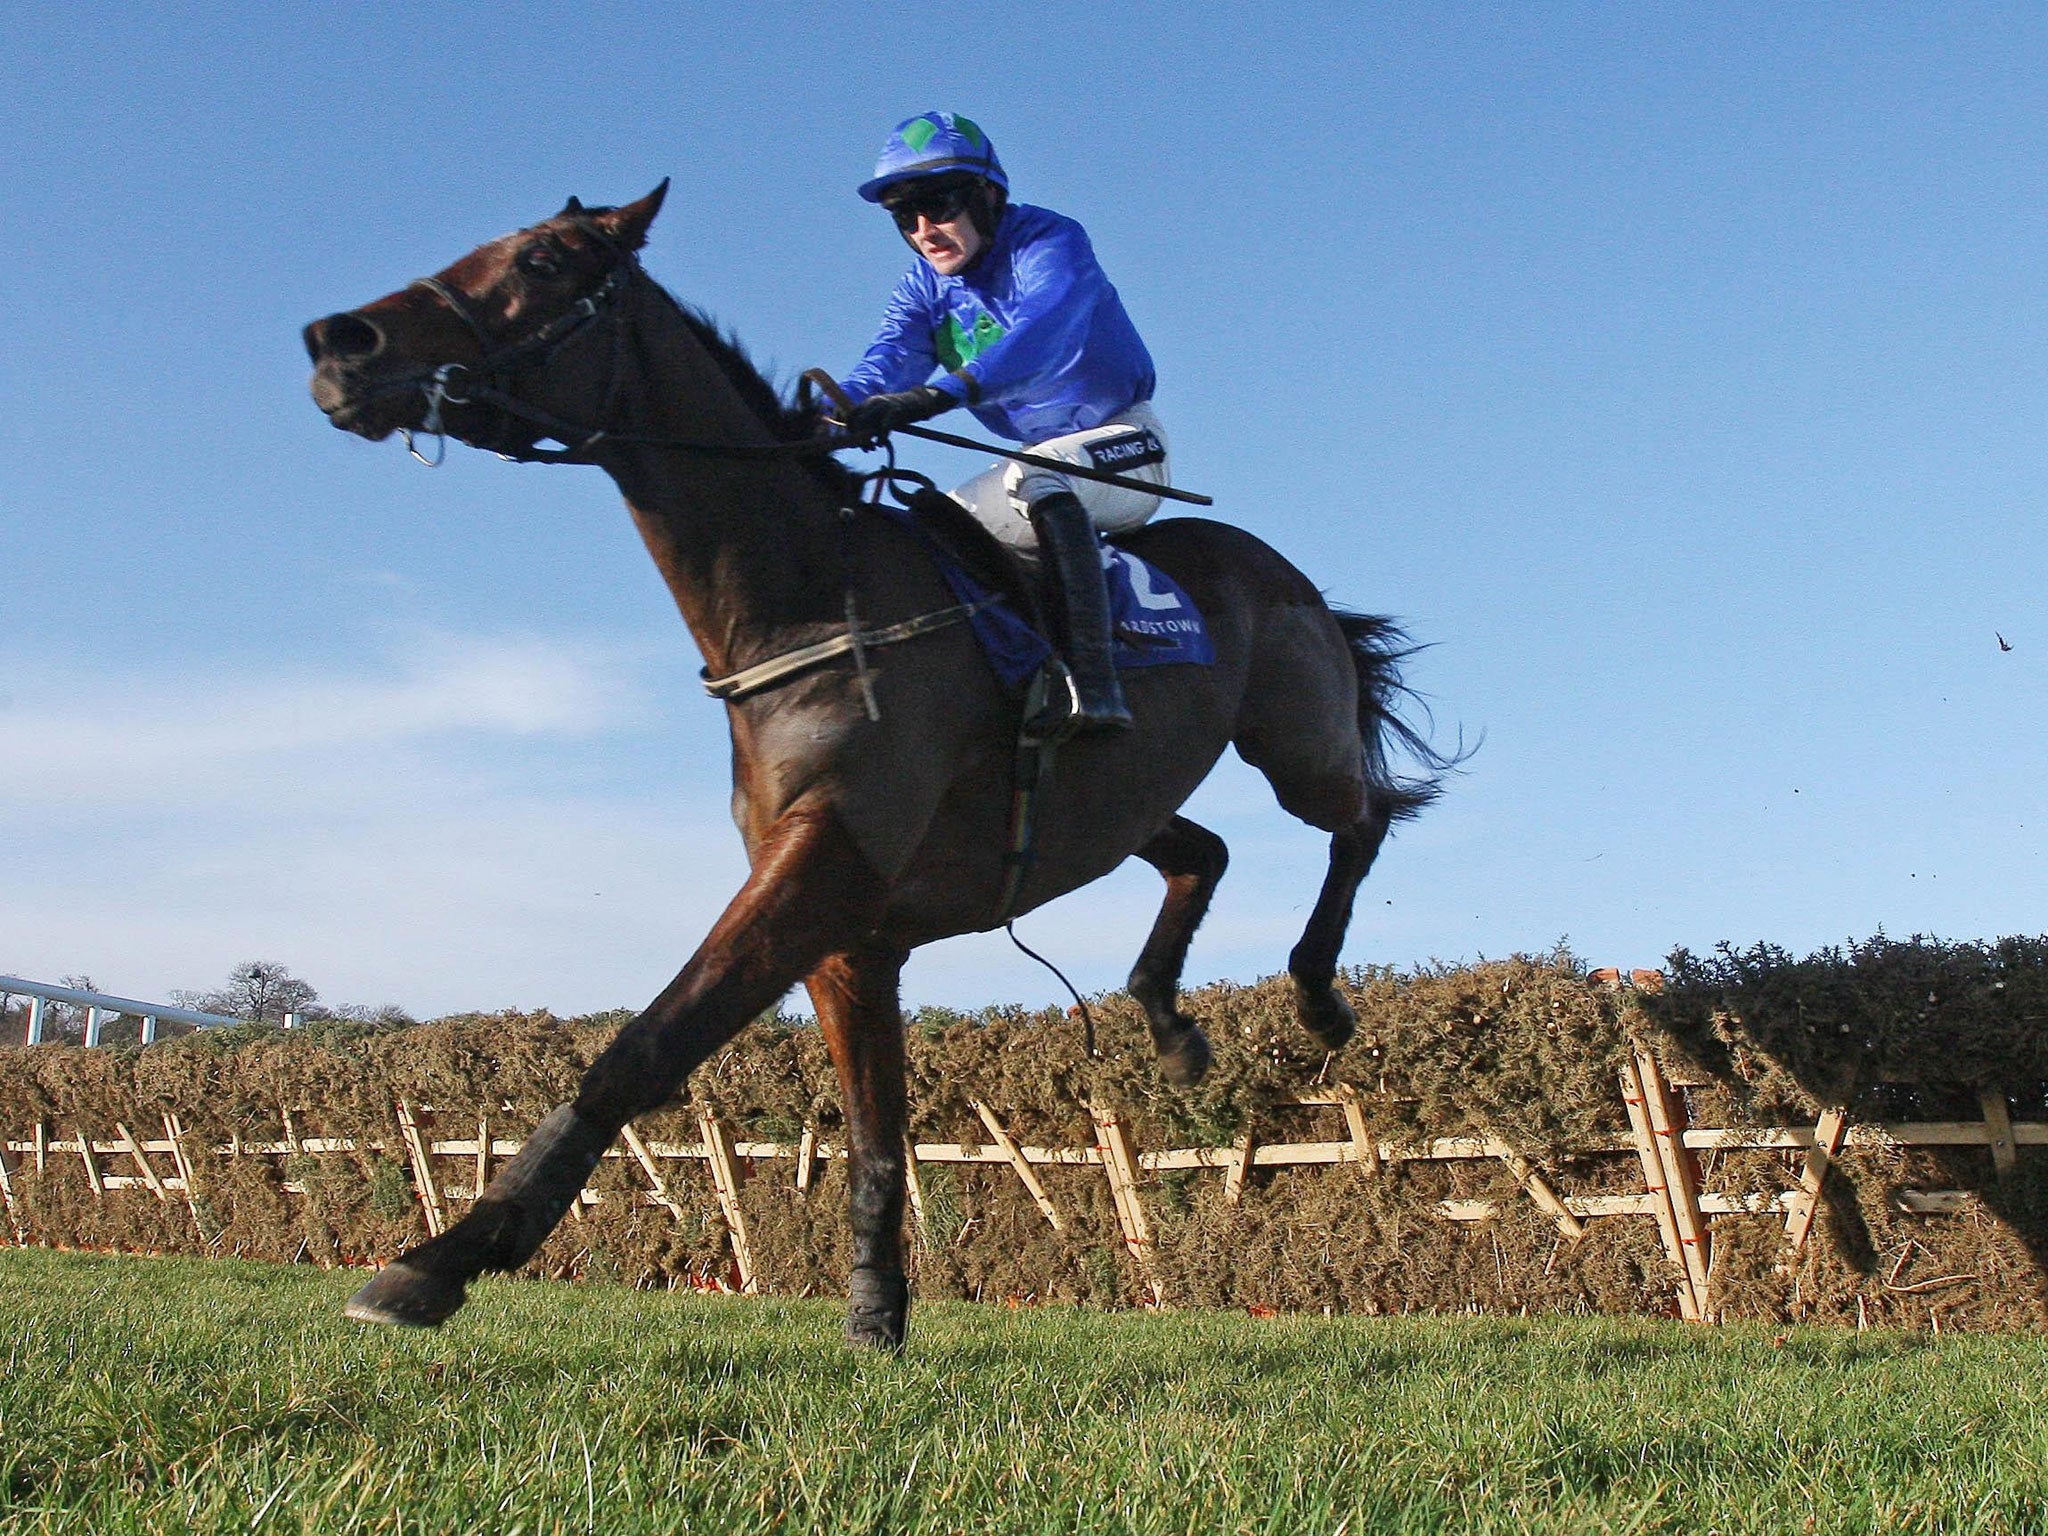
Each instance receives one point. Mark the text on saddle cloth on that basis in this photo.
(1154, 620)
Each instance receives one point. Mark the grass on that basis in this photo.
(151, 1395)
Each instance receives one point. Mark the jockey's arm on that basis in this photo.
(902, 355)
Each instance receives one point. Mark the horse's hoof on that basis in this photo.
(404, 1297)
(1184, 1056)
(1326, 1016)
(878, 1310)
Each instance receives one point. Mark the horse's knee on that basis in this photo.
(628, 1079)
(1207, 856)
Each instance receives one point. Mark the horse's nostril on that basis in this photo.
(342, 336)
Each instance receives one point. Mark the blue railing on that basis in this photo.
(100, 1007)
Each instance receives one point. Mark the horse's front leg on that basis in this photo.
(811, 890)
(858, 1007)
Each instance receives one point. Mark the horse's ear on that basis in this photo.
(628, 225)
(574, 205)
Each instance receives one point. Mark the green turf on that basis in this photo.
(185, 1395)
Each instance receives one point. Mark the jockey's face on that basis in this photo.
(939, 226)
(950, 246)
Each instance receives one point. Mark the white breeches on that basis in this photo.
(1131, 443)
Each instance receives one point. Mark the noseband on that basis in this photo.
(531, 351)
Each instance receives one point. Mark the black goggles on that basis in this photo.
(939, 204)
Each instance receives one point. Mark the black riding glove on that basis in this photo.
(879, 415)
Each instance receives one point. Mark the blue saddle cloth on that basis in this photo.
(1153, 620)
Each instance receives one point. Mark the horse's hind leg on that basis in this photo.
(810, 889)
(1192, 858)
(1313, 963)
(856, 996)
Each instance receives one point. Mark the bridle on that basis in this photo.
(536, 349)
(484, 380)
(529, 351)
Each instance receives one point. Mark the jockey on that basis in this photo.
(1009, 301)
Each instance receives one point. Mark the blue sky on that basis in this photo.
(1676, 372)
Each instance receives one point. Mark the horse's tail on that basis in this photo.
(1378, 647)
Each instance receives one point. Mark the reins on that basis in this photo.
(828, 386)
(579, 439)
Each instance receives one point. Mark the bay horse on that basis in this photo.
(872, 790)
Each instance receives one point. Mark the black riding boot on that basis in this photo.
(1071, 563)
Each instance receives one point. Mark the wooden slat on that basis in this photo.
(42, 1147)
(1681, 1173)
(1022, 1165)
(806, 1159)
(422, 1168)
(725, 1178)
(1588, 1207)
(1998, 1125)
(913, 1188)
(296, 1145)
(483, 1156)
(7, 1170)
(1122, 1171)
(1283, 1154)
(1961, 1133)
(652, 1169)
(1657, 1187)
(1827, 1141)
(1363, 1148)
(1542, 1196)
(1275, 1154)
(174, 1128)
(134, 1150)
(989, 1152)
(1241, 1160)
(92, 1168)
(1296, 1154)
(1893, 1133)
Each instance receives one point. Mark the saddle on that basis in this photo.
(1153, 621)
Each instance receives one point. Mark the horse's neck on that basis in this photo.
(748, 547)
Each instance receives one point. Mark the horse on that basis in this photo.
(873, 764)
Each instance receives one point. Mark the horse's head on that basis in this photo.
(497, 317)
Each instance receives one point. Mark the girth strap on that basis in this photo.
(780, 669)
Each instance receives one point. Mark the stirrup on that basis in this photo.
(1052, 705)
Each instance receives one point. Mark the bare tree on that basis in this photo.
(261, 990)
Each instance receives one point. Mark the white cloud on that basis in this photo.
(141, 739)
(464, 822)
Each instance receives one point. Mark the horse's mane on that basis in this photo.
(787, 420)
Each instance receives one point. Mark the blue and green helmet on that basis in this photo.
(934, 144)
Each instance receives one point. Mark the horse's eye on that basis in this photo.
(540, 261)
